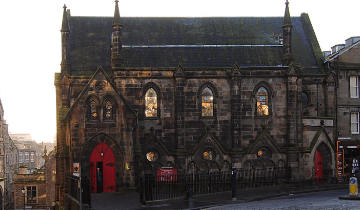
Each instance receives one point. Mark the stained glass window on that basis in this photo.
(152, 156)
(207, 103)
(92, 112)
(208, 155)
(151, 103)
(108, 109)
(262, 102)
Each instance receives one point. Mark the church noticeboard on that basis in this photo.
(76, 169)
(166, 175)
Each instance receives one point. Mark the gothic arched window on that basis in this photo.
(92, 112)
(262, 102)
(108, 109)
(207, 102)
(151, 105)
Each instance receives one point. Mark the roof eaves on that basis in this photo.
(340, 52)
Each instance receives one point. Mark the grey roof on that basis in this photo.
(193, 42)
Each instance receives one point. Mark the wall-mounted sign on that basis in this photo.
(76, 169)
(166, 174)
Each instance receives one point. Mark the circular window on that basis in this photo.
(152, 156)
(208, 155)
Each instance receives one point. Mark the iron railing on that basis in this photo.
(73, 187)
(162, 187)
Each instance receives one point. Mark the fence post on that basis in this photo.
(191, 204)
(142, 190)
(233, 183)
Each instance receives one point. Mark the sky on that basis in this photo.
(30, 42)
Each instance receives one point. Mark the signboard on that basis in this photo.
(76, 169)
(340, 160)
(166, 175)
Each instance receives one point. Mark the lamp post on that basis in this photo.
(23, 192)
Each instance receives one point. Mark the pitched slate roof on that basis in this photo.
(193, 42)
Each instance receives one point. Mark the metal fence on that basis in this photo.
(73, 187)
(163, 187)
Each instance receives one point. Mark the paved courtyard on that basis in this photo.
(318, 200)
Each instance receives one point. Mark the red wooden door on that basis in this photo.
(103, 156)
(318, 166)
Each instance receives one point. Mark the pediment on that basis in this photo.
(208, 141)
(321, 134)
(98, 82)
(262, 140)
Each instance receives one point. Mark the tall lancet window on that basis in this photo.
(207, 103)
(262, 102)
(92, 109)
(108, 109)
(151, 105)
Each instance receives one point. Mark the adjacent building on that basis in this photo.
(8, 163)
(344, 62)
(30, 152)
(194, 94)
(30, 189)
(50, 177)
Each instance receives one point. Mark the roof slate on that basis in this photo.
(90, 41)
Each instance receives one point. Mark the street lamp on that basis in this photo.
(23, 192)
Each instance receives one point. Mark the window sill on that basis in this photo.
(207, 117)
(151, 118)
(263, 116)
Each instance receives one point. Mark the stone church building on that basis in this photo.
(194, 94)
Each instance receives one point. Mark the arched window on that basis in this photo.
(151, 105)
(207, 103)
(262, 102)
(304, 99)
(92, 109)
(108, 109)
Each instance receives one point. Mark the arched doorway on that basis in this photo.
(322, 163)
(102, 169)
(319, 173)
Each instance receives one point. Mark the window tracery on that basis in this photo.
(152, 156)
(262, 102)
(92, 112)
(207, 103)
(108, 109)
(151, 105)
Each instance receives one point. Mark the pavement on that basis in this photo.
(324, 200)
(130, 200)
